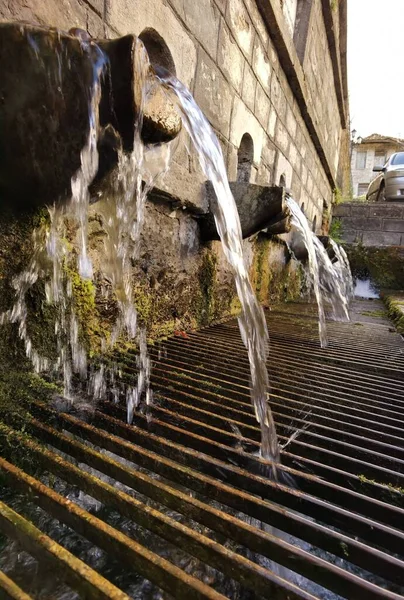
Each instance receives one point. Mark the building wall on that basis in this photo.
(371, 224)
(363, 176)
(243, 70)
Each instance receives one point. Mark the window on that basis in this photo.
(362, 188)
(398, 159)
(380, 158)
(282, 180)
(360, 160)
(245, 158)
(302, 207)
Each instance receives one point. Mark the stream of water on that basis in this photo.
(252, 322)
(331, 281)
(122, 219)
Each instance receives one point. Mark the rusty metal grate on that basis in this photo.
(183, 487)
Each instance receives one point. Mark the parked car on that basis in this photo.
(389, 184)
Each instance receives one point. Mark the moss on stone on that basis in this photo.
(395, 308)
(207, 284)
(384, 266)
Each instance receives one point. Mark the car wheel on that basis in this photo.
(381, 197)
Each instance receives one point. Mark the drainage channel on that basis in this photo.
(180, 505)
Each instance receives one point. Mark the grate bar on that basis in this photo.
(78, 575)
(9, 590)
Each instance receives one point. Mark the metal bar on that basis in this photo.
(270, 546)
(235, 566)
(72, 570)
(10, 590)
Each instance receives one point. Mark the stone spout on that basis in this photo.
(45, 85)
(300, 251)
(260, 208)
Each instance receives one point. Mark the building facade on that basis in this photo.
(270, 75)
(372, 151)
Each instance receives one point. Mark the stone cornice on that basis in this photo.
(329, 17)
(283, 42)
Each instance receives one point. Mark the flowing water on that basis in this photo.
(252, 320)
(122, 219)
(55, 260)
(301, 225)
(332, 281)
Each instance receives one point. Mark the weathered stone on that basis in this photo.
(262, 105)
(183, 188)
(388, 211)
(283, 167)
(372, 224)
(230, 58)
(203, 17)
(393, 225)
(281, 137)
(268, 153)
(261, 65)
(159, 16)
(241, 26)
(272, 122)
(342, 210)
(232, 163)
(351, 236)
(264, 175)
(161, 120)
(243, 121)
(249, 87)
(380, 238)
(257, 21)
(213, 94)
(256, 205)
(291, 124)
(362, 210)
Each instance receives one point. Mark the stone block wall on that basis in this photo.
(239, 60)
(371, 224)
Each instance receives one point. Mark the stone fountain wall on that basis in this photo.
(251, 74)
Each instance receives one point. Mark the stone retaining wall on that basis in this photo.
(371, 224)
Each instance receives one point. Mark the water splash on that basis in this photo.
(301, 225)
(54, 260)
(252, 320)
(331, 281)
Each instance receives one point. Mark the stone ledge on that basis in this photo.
(395, 307)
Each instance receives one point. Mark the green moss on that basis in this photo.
(384, 266)
(395, 308)
(335, 231)
(393, 488)
(207, 283)
(374, 313)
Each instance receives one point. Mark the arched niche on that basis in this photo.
(245, 158)
(302, 207)
(282, 180)
(157, 49)
(314, 224)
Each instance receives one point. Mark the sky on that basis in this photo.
(376, 66)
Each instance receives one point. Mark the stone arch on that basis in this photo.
(157, 49)
(245, 158)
